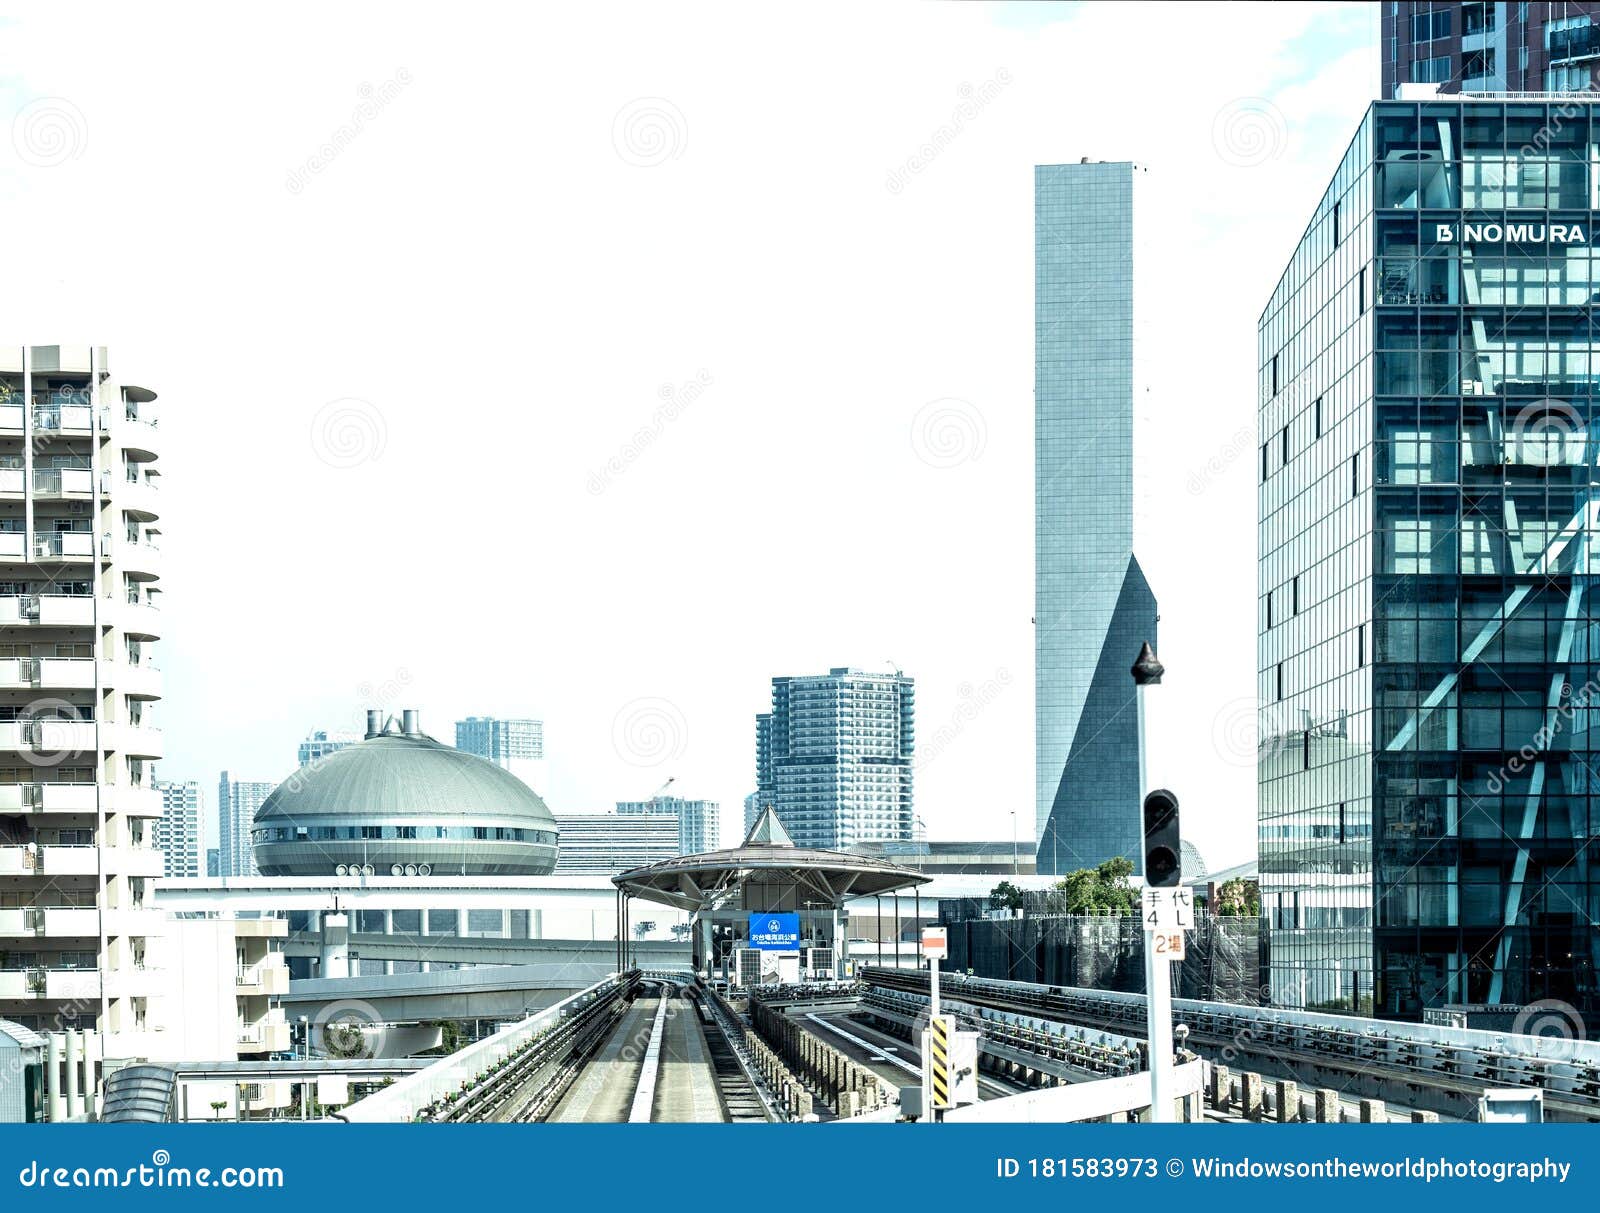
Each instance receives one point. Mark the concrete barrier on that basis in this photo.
(1251, 1099)
(1288, 1101)
(1328, 1109)
(1373, 1113)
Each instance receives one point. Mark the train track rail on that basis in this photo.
(1460, 1063)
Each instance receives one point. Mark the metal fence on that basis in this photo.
(1222, 961)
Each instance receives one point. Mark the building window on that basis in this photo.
(1425, 27)
(1335, 225)
(1266, 453)
(1280, 680)
(1361, 645)
(1476, 65)
(1269, 610)
(1294, 596)
(1316, 416)
(1284, 438)
(1430, 71)
(1569, 79)
(1274, 374)
(1355, 474)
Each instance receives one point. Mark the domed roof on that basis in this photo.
(395, 774)
(1193, 864)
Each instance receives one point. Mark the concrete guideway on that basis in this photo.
(686, 1086)
(603, 1093)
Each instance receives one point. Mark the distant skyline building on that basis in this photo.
(515, 744)
(179, 834)
(1490, 47)
(699, 821)
(237, 802)
(323, 742)
(835, 754)
(752, 807)
(1092, 605)
(614, 842)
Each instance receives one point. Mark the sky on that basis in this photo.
(598, 363)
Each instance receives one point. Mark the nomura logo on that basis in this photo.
(1510, 233)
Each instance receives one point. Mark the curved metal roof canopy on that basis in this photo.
(705, 881)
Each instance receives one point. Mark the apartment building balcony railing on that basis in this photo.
(63, 545)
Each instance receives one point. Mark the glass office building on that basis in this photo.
(1092, 605)
(1428, 494)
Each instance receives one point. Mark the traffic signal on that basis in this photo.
(1162, 866)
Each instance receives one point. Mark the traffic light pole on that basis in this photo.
(1157, 971)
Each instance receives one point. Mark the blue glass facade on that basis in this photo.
(1093, 608)
(1428, 645)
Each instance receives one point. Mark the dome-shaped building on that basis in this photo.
(400, 803)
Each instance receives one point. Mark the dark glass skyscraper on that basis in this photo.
(1429, 649)
(1092, 606)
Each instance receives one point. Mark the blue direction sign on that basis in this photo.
(775, 932)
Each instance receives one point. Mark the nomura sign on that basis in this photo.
(1510, 233)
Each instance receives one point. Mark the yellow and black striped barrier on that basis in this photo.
(939, 1054)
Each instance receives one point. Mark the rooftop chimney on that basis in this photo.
(409, 725)
(374, 722)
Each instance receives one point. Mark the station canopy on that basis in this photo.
(767, 857)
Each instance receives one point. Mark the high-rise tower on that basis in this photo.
(1092, 605)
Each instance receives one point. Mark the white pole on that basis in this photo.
(1157, 974)
(928, 1112)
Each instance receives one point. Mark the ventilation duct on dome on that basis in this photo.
(409, 724)
(374, 722)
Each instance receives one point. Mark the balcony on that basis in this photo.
(58, 739)
(268, 1037)
(63, 545)
(11, 416)
(68, 413)
(136, 923)
(133, 800)
(43, 610)
(262, 979)
(139, 430)
(140, 493)
(12, 482)
(140, 557)
(48, 798)
(1573, 45)
(53, 860)
(57, 984)
(140, 619)
(52, 672)
(72, 483)
(140, 679)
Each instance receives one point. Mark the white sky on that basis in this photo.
(504, 279)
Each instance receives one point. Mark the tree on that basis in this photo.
(216, 1108)
(1101, 890)
(681, 930)
(1238, 898)
(641, 929)
(1007, 896)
